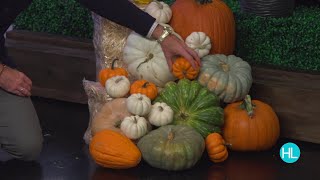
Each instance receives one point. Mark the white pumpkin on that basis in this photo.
(139, 104)
(145, 60)
(199, 42)
(159, 10)
(161, 114)
(118, 86)
(134, 127)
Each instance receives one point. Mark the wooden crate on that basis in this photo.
(295, 98)
(55, 64)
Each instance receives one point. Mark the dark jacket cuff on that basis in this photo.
(122, 12)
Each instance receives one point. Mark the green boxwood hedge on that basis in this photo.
(64, 17)
(291, 43)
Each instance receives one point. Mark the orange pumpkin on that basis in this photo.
(183, 69)
(216, 148)
(111, 149)
(107, 73)
(250, 125)
(213, 17)
(144, 87)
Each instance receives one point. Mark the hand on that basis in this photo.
(15, 82)
(172, 47)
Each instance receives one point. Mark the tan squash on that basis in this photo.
(110, 116)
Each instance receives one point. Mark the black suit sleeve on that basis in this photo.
(121, 12)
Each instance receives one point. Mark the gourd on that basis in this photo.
(134, 127)
(118, 86)
(213, 17)
(145, 60)
(193, 105)
(111, 149)
(159, 10)
(250, 125)
(144, 87)
(199, 42)
(138, 104)
(183, 69)
(229, 77)
(110, 116)
(172, 147)
(216, 148)
(107, 73)
(161, 114)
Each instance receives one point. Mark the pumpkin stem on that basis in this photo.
(247, 105)
(159, 4)
(170, 136)
(145, 84)
(160, 108)
(224, 66)
(183, 116)
(117, 124)
(118, 79)
(204, 1)
(150, 56)
(228, 145)
(135, 120)
(113, 63)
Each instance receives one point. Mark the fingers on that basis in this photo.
(194, 55)
(173, 46)
(23, 87)
(191, 60)
(27, 80)
(17, 92)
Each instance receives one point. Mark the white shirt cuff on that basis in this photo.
(153, 27)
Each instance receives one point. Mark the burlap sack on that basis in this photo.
(109, 40)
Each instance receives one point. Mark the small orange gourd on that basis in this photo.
(144, 87)
(111, 149)
(107, 73)
(183, 69)
(216, 147)
(250, 125)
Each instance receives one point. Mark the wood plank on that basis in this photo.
(295, 98)
(55, 66)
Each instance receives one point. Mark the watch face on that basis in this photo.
(168, 28)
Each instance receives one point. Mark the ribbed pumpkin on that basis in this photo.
(250, 125)
(144, 87)
(111, 149)
(229, 77)
(145, 60)
(216, 148)
(193, 105)
(107, 73)
(172, 147)
(181, 68)
(213, 17)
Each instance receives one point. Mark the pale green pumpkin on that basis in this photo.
(172, 147)
(229, 77)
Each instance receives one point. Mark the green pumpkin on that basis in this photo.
(229, 77)
(193, 105)
(172, 147)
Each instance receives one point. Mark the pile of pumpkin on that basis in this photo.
(170, 129)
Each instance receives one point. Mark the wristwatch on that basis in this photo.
(167, 30)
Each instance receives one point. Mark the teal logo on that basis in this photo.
(290, 153)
